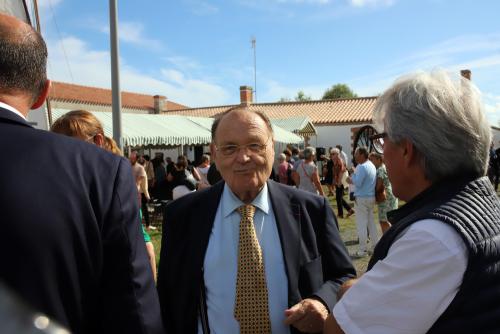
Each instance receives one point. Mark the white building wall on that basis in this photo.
(38, 118)
(332, 135)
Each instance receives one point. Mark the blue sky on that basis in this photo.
(198, 52)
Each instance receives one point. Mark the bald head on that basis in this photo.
(23, 59)
(243, 110)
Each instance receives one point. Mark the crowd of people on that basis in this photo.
(244, 253)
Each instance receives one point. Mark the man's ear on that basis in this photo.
(213, 152)
(42, 96)
(409, 153)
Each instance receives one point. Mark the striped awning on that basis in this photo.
(301, 125)
(167, 130)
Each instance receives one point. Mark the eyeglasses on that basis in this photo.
(378, 141)
(254, 148)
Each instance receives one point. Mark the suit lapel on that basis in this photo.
(287, 215)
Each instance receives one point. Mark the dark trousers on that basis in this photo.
(144, 208)
(341, 203)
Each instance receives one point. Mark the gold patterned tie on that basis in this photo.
(251, 309)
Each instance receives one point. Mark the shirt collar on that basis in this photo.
(230, 202)
(14, 110)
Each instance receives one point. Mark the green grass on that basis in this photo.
(347, 227)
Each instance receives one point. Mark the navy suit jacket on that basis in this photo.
(316, 260)
(70, 239)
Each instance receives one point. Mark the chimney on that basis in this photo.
(246, 95)
(160, 103)
(466, 74)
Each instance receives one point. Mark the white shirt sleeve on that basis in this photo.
(408, 290)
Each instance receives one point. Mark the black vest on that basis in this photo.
(472, 208)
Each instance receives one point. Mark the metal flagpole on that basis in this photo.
(254, 46)
(115, 74)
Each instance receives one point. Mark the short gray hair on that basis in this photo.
(334, 151)
(308, 152)
(442, 118)
(282, 157)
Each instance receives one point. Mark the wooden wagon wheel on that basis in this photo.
(362, 139)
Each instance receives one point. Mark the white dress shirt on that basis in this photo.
(221, 264)
(408, 290)
(14, 110)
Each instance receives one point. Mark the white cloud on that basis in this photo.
(371, 3)
(133, 33)
(474, 52)
(274, 91)
(92, 68)
(202, 8)
(183, 63)
(459, 45)
(173, 76)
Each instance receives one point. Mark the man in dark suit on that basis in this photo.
(298, 260)
(70, 242)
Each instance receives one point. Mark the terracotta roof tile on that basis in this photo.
(61, 91)
(356, 110)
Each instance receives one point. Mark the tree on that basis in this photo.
(339, 91)
(301, 96)
(285, 99)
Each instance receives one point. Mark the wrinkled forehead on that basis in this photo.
(246, 122)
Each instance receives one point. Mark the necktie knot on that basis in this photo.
(247, 211)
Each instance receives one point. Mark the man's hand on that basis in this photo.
(308, 316)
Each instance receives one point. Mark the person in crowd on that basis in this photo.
(150, 171)
(283, 168)
(83, 125)
(296, 160)
(160, 179)
(289, 172)
(181, 178)
(437, 269)
(170, 165)
(202, 170)
(295, 155)
(71, 245)
(364, 179)
(328, 174)
(141, 182)
(339, 170)
(386, 201)
(298, 259)
(306, 175)
(343, 156)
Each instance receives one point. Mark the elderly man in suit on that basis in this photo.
(437, 269)
(71, 244)
(249, 255)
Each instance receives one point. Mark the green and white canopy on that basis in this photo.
(168, 130)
